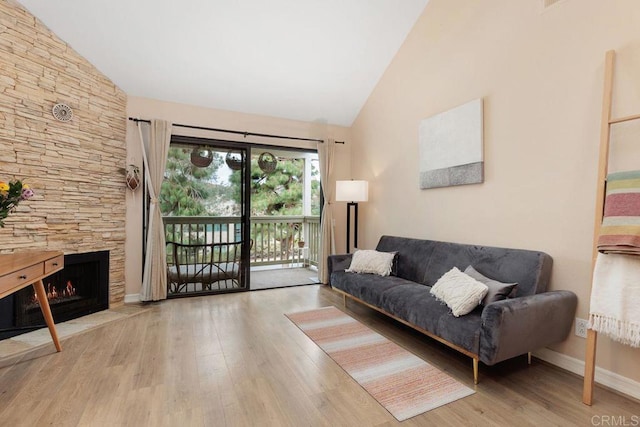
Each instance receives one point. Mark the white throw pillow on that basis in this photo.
(370, 261)
(459, 291)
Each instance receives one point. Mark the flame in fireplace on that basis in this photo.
(55, 294)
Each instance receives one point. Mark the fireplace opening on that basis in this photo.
(81, 288)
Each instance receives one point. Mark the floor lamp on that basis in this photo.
(352, 192)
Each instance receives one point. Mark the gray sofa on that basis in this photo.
(532, 319)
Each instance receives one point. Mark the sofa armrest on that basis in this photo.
(517, 326)
(338, 262)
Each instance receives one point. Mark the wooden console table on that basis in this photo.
(22, 269)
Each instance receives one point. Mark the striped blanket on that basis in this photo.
(620, 231)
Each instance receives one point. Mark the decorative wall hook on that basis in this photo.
(62, 112)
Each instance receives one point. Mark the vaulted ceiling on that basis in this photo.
(305, 60)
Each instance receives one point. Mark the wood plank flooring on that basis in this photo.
(283, 277)
(236, 360)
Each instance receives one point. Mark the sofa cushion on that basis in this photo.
(204, 273)
(374, 262)
(497, 290)
(414, 304)
(461, 293)
(411, 261)
(367, 287)
(425, 261)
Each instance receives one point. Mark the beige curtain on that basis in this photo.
(154, 155)
(327, 241)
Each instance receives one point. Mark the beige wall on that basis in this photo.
(540, 75)
(75, 167)
(198, 116)
(541, 78)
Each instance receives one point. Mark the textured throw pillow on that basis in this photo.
(497, 290)
(370, 261)
(462, 293)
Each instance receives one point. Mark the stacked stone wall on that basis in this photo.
(76, 168)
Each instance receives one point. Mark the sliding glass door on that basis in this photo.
(204, 204)
(233, 209)
(285, 217)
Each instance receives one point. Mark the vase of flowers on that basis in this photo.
(12, 193)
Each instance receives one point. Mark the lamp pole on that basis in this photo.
(355, 225)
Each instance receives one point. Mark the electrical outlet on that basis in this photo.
(581, 327)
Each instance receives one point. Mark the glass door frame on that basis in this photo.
(255, 150)
(247, 149)
(245, 197)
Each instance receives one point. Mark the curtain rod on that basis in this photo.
(237, 132)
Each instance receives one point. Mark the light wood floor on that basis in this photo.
(283, 277)
(236, 360)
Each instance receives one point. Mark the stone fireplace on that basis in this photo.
(81, 288)
(76, 168)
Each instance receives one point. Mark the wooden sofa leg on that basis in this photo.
(344, 300)
(529, 358)
(475, 370)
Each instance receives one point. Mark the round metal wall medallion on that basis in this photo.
(62, 112)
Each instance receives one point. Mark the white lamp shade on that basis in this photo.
(352, 191)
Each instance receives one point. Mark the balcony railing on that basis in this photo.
(275, 240)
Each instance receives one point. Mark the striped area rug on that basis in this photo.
(401, 382)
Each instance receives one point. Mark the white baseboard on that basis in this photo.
(606, 378)
(133, 298)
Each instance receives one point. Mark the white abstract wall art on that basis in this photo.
(451, 150)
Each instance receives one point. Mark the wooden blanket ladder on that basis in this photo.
(603, 163)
